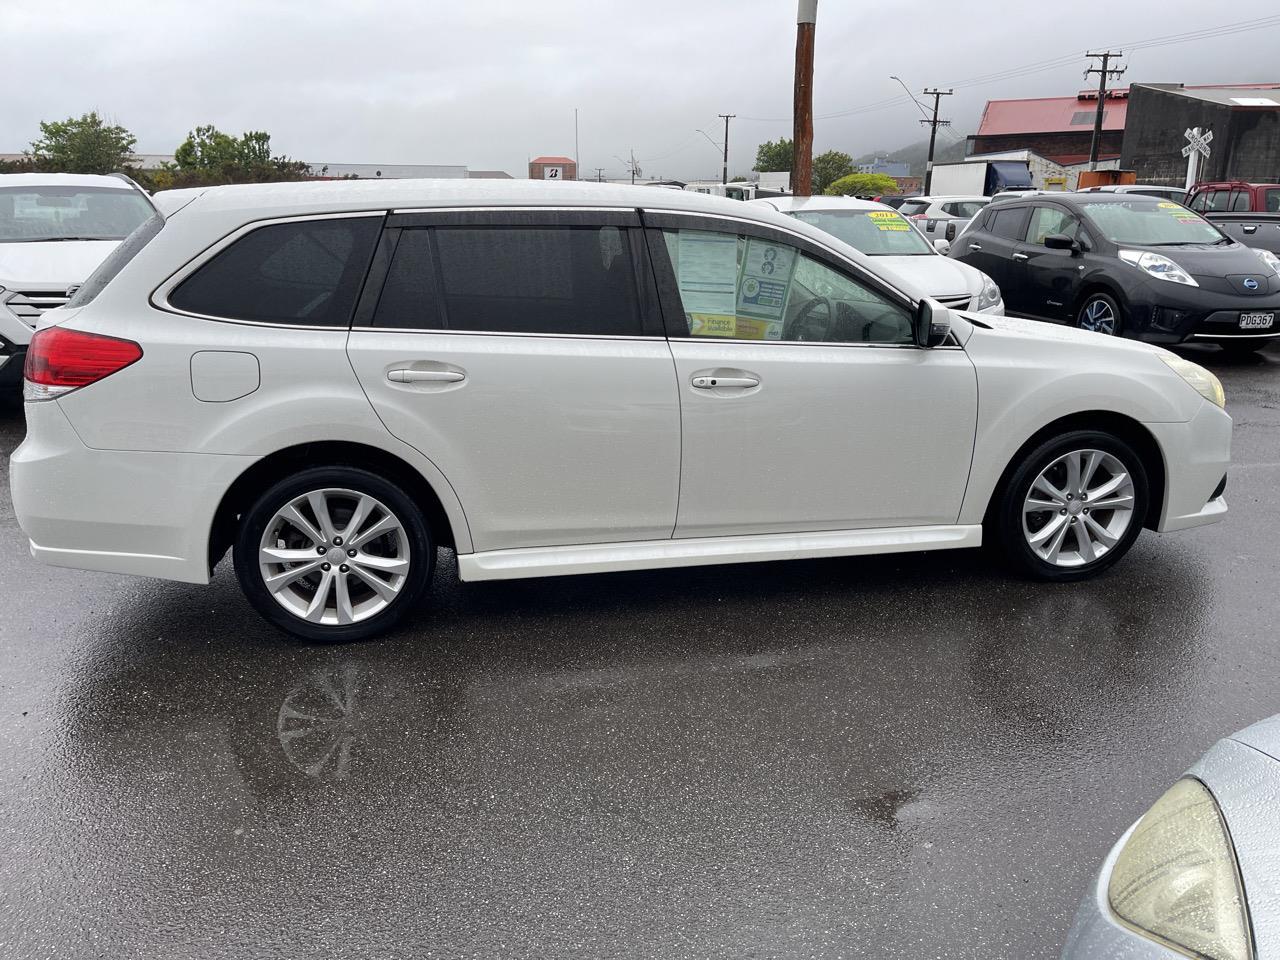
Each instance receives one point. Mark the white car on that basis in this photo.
(881, 232)
(55, 228)
(942, 218)
(334, 379)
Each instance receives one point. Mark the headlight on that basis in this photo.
(1159, 266)
(1176, 878)
(1200, 379)
(1266, 256)
(989, 296)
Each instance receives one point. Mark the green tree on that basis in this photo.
(863, 185)
(829, 167)
(83, 145)
(773, 156)
(209, 156)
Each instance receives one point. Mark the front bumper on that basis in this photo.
(1196, 455)
(1162, 315)
(117, 511)
(1098, 934)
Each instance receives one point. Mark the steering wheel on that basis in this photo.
(805, 326)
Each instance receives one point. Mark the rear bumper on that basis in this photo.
(1196, 456)
(117, 511)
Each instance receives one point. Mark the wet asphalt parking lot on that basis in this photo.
(908, 757)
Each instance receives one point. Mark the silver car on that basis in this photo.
(1199, 874)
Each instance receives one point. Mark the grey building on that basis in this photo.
(1245, 121)
(890, 168)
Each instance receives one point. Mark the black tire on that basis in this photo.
(1004, 525)
(420, 546)
(1105, 300)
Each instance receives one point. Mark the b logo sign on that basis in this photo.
(553, 173)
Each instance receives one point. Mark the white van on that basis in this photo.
(55, 228)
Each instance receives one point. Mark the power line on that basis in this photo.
(933, 123)
(1221, 30)
(1105, 72)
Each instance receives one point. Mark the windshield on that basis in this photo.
(36, 213)
(877, 233)
(1151, 223)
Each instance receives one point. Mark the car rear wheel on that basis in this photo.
(1101, 313)
(1072, 507)
(334, 554)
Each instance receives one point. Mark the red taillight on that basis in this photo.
(60, 359)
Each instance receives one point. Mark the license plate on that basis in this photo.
(1257, 321)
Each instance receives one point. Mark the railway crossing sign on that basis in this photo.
(1197, 146)
(1197, 142)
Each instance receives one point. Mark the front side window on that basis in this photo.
(307, 272)
(1146, 222)
(38, 213)
(1047, 221)
(563, 280)
(749, 288)
(877, 233)
(1240, 200)
(1271, 201)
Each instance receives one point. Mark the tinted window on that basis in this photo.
(1199, 202)
(1271, 201)
(409, 297)
(1218, 200)
(572, 280)
(308, 272)
(116, 260)
(963, 208)
(1046, 221)
(911, 207)
(1240, 200)
(748, 288)
(1007, 222)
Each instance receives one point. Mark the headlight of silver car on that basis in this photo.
(1270, 259)
(1176, 880)
(989, 297)
(1159, 266)
(1197, 377)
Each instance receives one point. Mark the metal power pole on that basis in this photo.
(802, 125)
(1103, 73)
(599, 174)
(933, 126)
(724, 175)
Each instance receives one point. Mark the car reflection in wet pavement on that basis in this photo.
(893, 757)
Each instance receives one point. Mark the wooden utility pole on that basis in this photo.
(802, 130)
(1095, 145)
(726, 117)
(933, 126)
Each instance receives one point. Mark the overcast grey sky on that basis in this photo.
(489, 83)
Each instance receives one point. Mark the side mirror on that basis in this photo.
(1060, 241)
(942, 246)
(932, 323)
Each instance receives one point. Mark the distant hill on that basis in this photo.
(917, 154)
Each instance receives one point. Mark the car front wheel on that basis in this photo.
(1101, 313)
(1072, 507)
(334, 554)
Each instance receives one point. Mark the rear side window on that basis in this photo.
(116, 261)
(1007, 222)
(566, 280)
(1271, 201)
(911, 207)
(307, 272)
(963, 208)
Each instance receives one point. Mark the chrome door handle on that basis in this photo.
(975, 246)
(708, 383)
(1021, 256)
(409, 375)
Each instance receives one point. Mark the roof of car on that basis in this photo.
(947, 198)
(269, 199)
(65, 180)
(787, 204)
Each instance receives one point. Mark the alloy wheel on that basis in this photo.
(1078, 508)
(334, 557)
(1098, 316)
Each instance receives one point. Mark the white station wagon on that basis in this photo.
(332, 380)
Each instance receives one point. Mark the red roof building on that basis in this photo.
(1059, 128)
(553, 168)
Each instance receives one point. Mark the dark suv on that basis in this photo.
(1126, 265)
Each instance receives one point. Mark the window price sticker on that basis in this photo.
(888, 220)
